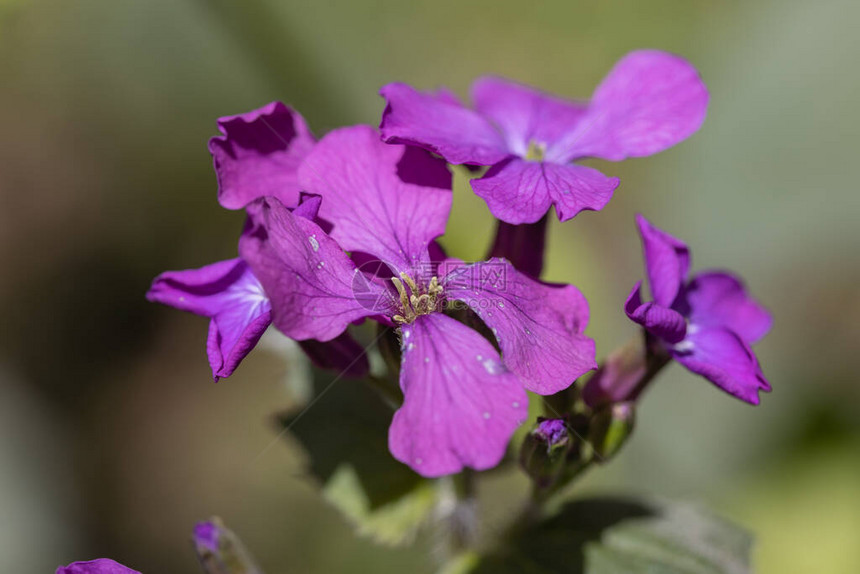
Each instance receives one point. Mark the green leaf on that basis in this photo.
(344, 432)
(624, 536)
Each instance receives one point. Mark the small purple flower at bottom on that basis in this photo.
(650, 101)
(98, 566)
(462, 401)
(707, 323)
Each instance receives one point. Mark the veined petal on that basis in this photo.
(461, 405)
(665, 323)
(719, 299)
(389, 201)
(97, 566)
(440, 124)
(539, 327)
(228, 293)
(525, 115)
(723, 358)
(667, 261)
(519, 191)
(650, 101)
(259, 155)
(315, 289)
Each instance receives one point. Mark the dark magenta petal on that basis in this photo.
(718, 299)
(665, 323)
(259, 155)
(342, 354)
(650, 101)
(522, 245)
(461, 405)
(439, 124)
(539, 327)
(388, 201)
(315, 289)
(519, 191)
(98, 566)
(667, 261)
(723, 358)
(228, 293)
(525, 115)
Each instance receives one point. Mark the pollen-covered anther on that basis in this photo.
(415, 301)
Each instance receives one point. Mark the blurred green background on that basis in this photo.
(113, 439)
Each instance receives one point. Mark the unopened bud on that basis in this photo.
(220, 551)
(609, 429)
(544, 451)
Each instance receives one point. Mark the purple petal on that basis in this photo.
(667, 261)
(461, 405)
(539, 327)
(372, 194)
(259, 155)
(723, 358)
(343, 354)
(311, 282)
(228, 293)
(525, 115)
(719, 299)
(522, 245)
(440, 124)
(98, 566)
(649, 102)
(665, 323)
(519, 191)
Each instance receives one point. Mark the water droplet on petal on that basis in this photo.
(486, 415)
(479, 357)
(314, 243)
(516, 405)
(501, 305)
(426, 359)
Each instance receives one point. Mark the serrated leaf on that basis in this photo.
(624, 536)
(345, 436)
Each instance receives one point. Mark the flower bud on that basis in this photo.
(220, 551)
(609, 429)
(544, 451)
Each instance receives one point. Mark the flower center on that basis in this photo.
(415, 302)
(536, 151)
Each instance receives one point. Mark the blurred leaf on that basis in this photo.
(345, 435)
(619, 536)
(393, 523)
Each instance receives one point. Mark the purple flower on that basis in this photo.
(707, 323)
(462, 401)
(649, 102)
(98, 566)
(259, 154)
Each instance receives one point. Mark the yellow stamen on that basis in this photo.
(415, 303)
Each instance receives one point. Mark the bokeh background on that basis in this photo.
(114, 440)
